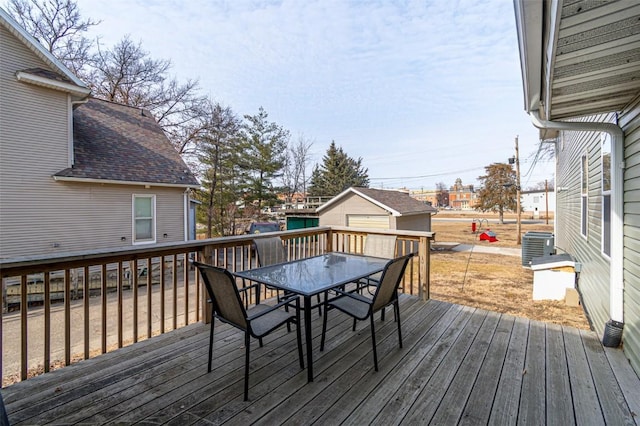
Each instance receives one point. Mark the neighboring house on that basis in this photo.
(78, 173)
(581, 73)
(376, 208)
(462, 197)
(538, 202)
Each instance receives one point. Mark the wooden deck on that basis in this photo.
(459, 365)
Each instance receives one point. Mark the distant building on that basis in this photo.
(432, 197)
(537, 203)
(462, 197)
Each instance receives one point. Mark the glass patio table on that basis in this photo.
(311, 276)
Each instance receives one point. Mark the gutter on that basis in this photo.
(616, 279)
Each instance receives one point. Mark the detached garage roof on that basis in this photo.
(395, 202)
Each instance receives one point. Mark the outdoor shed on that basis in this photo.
(376, 208)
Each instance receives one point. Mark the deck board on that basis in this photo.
(559, 400)
(477, 411)
(458, 365)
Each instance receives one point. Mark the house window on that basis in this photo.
(606, 193)
(144, 223)
(584, 191)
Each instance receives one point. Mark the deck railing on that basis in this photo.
(62, 308)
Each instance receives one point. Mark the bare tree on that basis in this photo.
(441, 193)
(57, 25)
(294, 177)
(542, 185)
(127, 74)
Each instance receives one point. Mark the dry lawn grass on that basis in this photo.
(493, 282)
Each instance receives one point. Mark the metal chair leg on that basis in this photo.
(324, 326)
(373, 341)
(396, 311)
(246, 365)
(210, 344)
(299, 337)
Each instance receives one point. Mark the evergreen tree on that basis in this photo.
(218, 159)
(337, 173)
(263, 159)
(498, 192)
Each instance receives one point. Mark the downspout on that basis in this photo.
(186, 194)
(616, 284)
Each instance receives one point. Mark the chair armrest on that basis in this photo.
(354, 296)
(276, 306)
(249, 287)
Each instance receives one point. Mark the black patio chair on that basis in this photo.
(378, 246)
(257, 321)
(360, 307)
(271, 251)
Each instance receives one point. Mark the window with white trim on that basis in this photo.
(144, 218)
(605, 160)
(584, 194)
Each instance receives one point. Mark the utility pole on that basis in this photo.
(546, 199)
(519, 226)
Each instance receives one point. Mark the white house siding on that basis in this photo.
(594, 280)
(630, 122)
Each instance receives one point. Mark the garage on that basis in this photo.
(382, 209)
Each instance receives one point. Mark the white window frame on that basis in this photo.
(584, 195)
(134, 218)
(605, 239)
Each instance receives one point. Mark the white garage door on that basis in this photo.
(368, 221)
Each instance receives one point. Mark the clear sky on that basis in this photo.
(423, 91)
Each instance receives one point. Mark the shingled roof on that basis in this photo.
(398, 203)
(119, 143)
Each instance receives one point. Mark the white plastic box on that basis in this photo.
(552, 276)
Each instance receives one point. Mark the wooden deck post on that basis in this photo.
(423, 255)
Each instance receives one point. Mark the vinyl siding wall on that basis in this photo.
(350, 204)
(630, 122)
(34, 144)
(417, 222)
(593, 282)
(39, 215)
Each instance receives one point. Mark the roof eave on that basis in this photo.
(125, 182)
(529, 18)
(76, 91)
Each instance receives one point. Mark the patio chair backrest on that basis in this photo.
(224, 294)
(380, 246)
(390, 281)
(270, 251)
